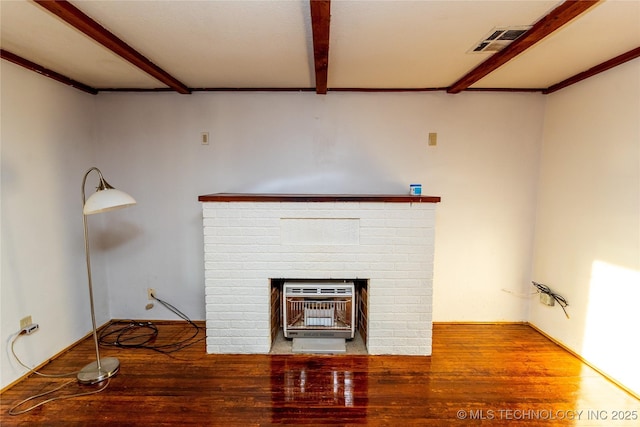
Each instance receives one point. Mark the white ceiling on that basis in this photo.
(268, 44)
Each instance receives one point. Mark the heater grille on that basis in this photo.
(321, 309)
(320, 290)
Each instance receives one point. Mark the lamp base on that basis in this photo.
(90, 374)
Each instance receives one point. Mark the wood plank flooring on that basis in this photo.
(478, 375)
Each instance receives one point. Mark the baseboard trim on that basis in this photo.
(583, 360)
(453, 323)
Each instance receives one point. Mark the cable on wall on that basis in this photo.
(544, 289)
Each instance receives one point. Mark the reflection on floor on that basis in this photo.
(305, 388)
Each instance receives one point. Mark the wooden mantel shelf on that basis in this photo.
(249, 197)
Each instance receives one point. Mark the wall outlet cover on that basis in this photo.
(547, 299)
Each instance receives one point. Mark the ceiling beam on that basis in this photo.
(32, 66)
(320, 22)
(558, 17)
(613, 62)
(76, 18)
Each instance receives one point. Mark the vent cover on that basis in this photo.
(498, 39)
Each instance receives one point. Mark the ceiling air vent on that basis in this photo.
(499, 38)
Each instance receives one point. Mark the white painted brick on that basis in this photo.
(410, 315)
(216, 222)
(225, 213)
(370, 222)
(209, 212)
(243, 250)
(223, 231)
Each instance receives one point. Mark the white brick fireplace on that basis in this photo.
(251, 239)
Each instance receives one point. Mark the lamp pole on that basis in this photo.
(104, 199)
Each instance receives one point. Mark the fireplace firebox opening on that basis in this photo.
(316, 315)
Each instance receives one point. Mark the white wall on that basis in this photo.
(484, 167)
(47, 143)
(588, 220)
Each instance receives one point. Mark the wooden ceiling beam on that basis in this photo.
(32, 66)
(320, 22)
(76, 18)
(557, 18)
(613, 62)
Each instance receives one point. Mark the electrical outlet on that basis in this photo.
(204, 138)
(27, 326)
(25, 321)
(150, 293)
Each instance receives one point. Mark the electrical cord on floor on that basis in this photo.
(543, 289)
(13, 411)
(32, 370)
(128, 335)
(142, 335)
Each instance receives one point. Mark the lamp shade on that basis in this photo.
(107, 200)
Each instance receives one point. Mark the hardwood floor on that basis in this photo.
(478, 375)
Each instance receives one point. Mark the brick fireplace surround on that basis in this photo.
(250, 239)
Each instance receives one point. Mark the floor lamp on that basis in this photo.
(106, 198)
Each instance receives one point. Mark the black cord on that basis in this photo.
(142, 335)
(544, 289)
